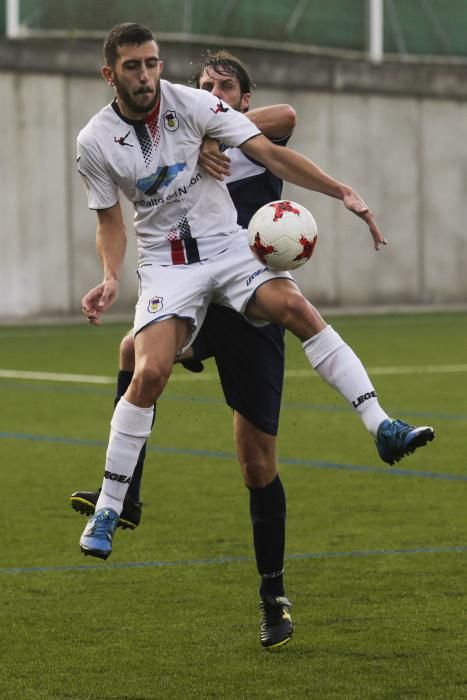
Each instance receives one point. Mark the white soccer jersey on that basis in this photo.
(182, 215)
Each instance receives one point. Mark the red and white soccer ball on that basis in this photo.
(282, 235)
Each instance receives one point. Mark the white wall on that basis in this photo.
(406, 156)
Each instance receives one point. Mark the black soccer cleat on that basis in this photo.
(276, 624)
(85, 502)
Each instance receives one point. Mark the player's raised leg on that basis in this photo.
(281, 302)
(131, 426)
(85, 501)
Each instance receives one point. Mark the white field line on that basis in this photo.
(212, 376)
(409, 369)
(56, 377)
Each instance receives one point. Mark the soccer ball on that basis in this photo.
(282, 235)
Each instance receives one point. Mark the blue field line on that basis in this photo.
(213, 454)
(389, 471)
(213, 400)
(322, 408)
(456, 549)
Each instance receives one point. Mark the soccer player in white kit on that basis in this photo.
(192, 252)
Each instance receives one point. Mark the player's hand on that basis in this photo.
(99, 299)
(216, 164)
(355, 203)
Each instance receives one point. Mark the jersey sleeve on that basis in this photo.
(216, 119)
(101, 189)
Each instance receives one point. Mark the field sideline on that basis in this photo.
(376, 556)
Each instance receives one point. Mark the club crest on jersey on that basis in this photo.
(171, 122)
(155, 304)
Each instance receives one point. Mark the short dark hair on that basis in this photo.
(125, 33)
(227, 64)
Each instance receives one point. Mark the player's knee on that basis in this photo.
(127, 353)
(294, 306)
(258, 473)
(149, 381)
(300, 317)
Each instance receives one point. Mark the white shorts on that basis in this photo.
(230, 278)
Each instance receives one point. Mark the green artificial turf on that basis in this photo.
(376, 556)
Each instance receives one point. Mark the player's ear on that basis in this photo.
(161, 66)
(107, 74)
(245, 102)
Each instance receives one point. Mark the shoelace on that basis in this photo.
(398, 432)
(101, 525)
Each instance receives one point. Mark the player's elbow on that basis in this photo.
(289, 116)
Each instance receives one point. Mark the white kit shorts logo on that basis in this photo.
(170, 119)
(155, 304)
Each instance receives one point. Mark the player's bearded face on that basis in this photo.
(136, 78)
(139, 101)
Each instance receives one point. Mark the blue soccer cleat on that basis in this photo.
(96, 539)
(395, 439)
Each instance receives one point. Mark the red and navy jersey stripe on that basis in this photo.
(183, 247)
(184, 251)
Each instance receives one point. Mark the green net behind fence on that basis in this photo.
(410, 26)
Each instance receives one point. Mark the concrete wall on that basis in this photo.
(406, 155)
(408, 158)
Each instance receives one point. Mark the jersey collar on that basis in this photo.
(152, 116)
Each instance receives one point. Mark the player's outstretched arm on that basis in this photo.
(276, 122)
(295, 168)
(111, 246)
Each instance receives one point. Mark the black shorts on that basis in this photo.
(250, 362)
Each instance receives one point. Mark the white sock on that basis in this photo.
(339, 366)
(130, 428)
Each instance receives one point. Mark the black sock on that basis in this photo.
(135, 483)
(268, 512)
(124, 378)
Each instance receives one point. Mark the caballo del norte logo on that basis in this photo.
(163, 176)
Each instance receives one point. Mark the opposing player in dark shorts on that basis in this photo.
(252, 384)
(250, 362)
